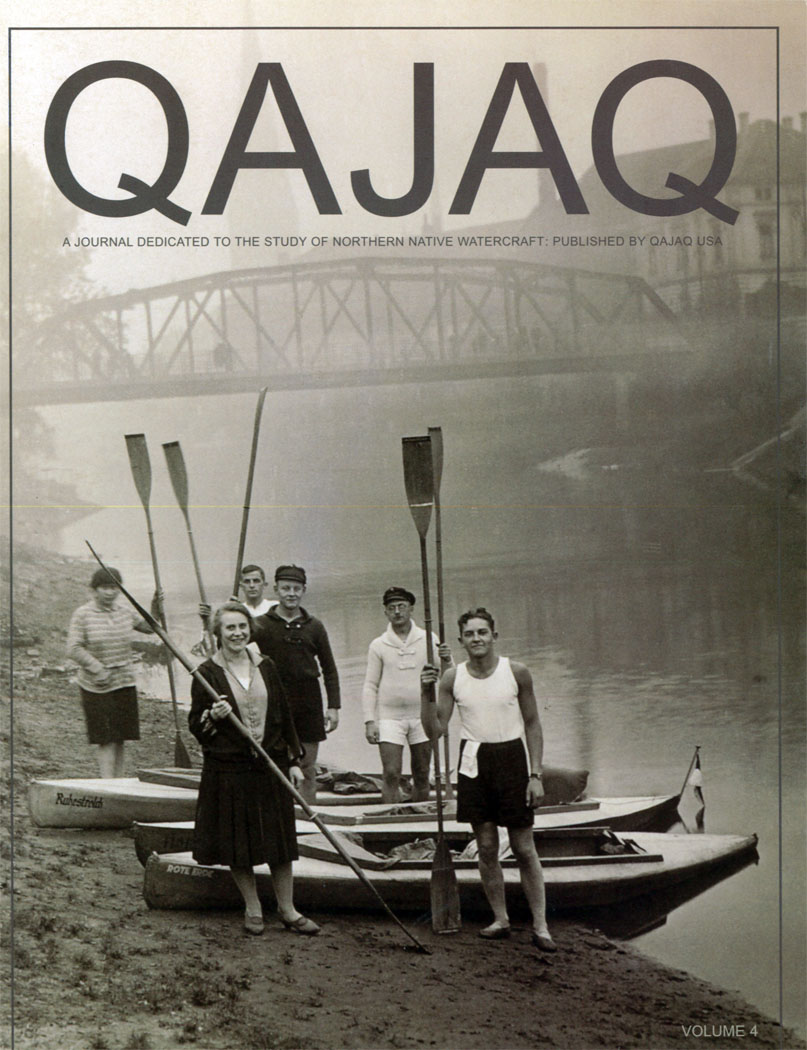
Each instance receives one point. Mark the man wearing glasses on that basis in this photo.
(391, 695)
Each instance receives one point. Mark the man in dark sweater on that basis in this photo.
(298, 644)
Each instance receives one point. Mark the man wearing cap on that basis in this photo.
(496, 787)
(391, 695)
(298, 644)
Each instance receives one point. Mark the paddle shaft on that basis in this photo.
(436, 438)
(427, 621)
(179, 481)
(242, 539)
(189, 666)
(443, 884)
(141, 473)
(169, 663)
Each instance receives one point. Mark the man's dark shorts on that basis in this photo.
(498, 792)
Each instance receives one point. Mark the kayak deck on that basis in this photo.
(650, 862)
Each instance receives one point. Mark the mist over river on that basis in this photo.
(641, 590)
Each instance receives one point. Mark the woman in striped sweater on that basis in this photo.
(99, 641)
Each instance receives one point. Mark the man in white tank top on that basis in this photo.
(495, 787)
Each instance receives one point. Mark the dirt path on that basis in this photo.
(95, 969)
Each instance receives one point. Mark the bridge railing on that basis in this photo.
(351, 316)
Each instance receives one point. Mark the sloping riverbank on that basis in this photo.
(95, 969)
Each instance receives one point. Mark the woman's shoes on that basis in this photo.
(253, 923)
(543, 942)
(497, 931)
(301, 925)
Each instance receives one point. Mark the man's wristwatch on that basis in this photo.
(536, 776)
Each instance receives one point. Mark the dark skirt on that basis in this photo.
(305, 700)
(111, 717)
(244, 816)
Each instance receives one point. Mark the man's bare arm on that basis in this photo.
(436, 716)
(533, 733)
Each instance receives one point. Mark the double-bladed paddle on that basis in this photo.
(436, 438)
(141, 472)
(418, 467)
(242, 539)
(272, 766)
(175, 462)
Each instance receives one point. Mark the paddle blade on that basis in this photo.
(419, 480)
(175, 462)
(140, 464)
(445, 897)
(182, 760)
(436, 438)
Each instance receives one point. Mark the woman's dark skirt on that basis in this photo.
(111, 717)
(244, 816)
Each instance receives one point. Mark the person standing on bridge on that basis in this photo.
(298, 644)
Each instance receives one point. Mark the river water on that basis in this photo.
(650, 626)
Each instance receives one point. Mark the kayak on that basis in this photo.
(106, 803)
(338, 787)
(583, 868)
(632, 813)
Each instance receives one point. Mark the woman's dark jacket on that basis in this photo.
(220, 739)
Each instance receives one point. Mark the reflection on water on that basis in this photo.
(642, 915)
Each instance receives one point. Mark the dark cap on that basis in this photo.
(290, 572)
(397, 594)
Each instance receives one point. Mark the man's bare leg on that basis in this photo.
(420, 755)
(532, 876)
(490, 872)
(391, 764)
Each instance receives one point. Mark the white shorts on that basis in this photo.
(401, 730)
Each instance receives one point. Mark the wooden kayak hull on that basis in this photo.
(561, 784)
(626, 814)
(572, 882)
(106, 803)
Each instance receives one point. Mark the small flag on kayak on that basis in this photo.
(696, 780)
(696, 783)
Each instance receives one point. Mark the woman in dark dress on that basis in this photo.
(244, 816)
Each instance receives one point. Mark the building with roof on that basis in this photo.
(695, 261)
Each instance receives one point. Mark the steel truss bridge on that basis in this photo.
(348, 322)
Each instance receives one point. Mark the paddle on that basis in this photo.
(273, 768)
(436, 437)
(175, 462)
(419, 481)
(141, 472)
(242, 539)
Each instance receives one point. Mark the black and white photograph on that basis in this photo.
(366, 360)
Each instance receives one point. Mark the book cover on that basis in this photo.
(276, 239)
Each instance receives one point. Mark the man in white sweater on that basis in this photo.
(391, 695)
